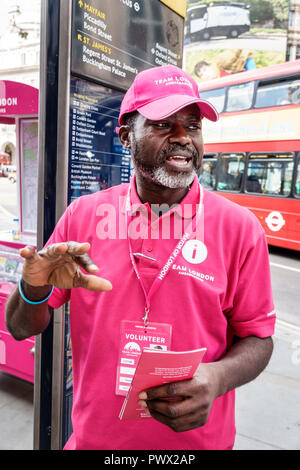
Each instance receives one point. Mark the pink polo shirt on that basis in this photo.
(207, 296)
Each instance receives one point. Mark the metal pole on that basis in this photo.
(61, 204)
(46, 206)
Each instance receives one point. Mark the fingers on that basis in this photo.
(78, 251)
(28, 252)
(57, 249)
(181, 405)
(51, 252)
(64, 255)
(180, 414)
(86, 263)
(170, 400)
(92, 283)
(177, 420)
(75, 248)
(171, 390)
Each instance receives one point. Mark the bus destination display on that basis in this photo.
(114, 40)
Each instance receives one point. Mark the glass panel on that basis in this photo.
(8, 179)
(240, 96)
(215, 97)
(208, 173)
(287, 177)
(29, 172)
(297, 183)
(231, 171)
(270, 176)
(278, 94)
(198, 13)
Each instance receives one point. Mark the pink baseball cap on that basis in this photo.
(159, 92)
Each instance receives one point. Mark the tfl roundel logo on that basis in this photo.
(194, 251)
(275, 221)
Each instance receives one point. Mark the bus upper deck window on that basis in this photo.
(278, 93)
(216, 97)
(240, 97)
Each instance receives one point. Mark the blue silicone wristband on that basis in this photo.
(30, 301)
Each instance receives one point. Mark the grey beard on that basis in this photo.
(182, 180)
(159, 174)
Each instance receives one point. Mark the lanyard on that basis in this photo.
(171, 259)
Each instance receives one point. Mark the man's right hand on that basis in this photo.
(59, 265)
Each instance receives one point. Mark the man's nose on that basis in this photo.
(179, 135)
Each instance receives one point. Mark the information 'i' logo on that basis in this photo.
(194, 251)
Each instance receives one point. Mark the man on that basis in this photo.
(215, 293)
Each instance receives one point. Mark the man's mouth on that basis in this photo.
(179, 158)
(179, 162)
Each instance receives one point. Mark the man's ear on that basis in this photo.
(124, 136)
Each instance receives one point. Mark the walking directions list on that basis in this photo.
(113, 41)
(97, 159)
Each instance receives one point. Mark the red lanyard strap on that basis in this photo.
(171, 259)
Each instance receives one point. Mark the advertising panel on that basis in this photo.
(224, 37)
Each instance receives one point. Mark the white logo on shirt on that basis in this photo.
(194, 251)
(186, 271)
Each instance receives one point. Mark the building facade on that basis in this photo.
(19, 55)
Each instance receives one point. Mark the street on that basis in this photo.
(267, 409)
(245, 41)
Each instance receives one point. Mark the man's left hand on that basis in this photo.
(186, 404)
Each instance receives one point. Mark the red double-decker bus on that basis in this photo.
(252, 154)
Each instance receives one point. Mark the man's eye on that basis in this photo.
(160, 125)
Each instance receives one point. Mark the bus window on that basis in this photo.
(231, 171)
(270, 174)
(240, 97)
(297, 182)
(277, 93)
(208, 172)
(216, 97)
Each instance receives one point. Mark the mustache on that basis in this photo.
(174, 148)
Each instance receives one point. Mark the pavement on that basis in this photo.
(16, 413)
(267, 409)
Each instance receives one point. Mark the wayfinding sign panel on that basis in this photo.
(113, 40)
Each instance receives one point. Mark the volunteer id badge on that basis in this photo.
(134, 337)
